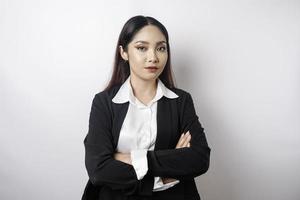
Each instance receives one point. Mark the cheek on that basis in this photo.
(164, 58)
(137, 58)
(136, 62)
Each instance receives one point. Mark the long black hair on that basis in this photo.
(121, 69)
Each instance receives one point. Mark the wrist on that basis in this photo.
(167, 180)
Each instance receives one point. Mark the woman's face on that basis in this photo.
(148, 48)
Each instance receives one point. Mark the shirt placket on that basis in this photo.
(145, 136)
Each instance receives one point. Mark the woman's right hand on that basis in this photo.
(184, 141)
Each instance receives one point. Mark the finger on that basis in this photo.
(181, 140)
(178, 143)
(184, 139)
(187, 140)
(181, 136)
(189, 136)
(189, 144)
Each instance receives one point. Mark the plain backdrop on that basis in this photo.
(238, 59)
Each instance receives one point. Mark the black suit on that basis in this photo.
(114, 180)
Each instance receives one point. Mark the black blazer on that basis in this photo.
(115, 180)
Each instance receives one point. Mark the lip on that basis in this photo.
(151, 67)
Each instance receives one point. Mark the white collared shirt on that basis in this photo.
(139, 129)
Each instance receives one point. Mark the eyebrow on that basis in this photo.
(140, 41)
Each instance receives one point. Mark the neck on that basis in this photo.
(143, 88)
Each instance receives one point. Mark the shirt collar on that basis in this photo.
(125, 93)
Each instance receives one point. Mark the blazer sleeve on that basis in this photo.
(101, 166)
(188, 162)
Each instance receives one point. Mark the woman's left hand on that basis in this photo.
(123, 157)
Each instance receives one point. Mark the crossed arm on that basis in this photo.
(184, 141)
(105, 167)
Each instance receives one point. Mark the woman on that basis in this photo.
(144, 139)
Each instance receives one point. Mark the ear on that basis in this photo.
(123, 53)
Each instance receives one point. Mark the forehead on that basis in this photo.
(150, 34)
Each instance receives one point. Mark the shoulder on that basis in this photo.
(107, 95)
(184, 99)
(104, 98)
(184, 102)
(182, 94)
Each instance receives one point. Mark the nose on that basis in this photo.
(152, 57)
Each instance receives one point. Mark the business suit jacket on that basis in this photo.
(115, 180)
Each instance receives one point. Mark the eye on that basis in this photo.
(141, 48)
(162, 49)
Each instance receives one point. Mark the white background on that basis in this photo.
(238, 59)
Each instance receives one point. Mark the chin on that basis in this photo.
(149, 77)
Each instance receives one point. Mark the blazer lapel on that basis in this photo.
(120, 111)
(165, 123)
